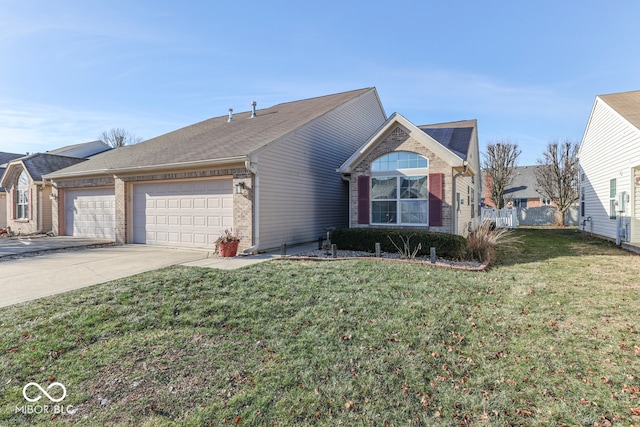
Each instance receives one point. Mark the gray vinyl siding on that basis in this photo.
(609, 150)
(300, 192)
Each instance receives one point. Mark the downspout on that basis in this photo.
(454, 205)
(348, 180)
(256, 208)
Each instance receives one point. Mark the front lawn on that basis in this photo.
(549, 335)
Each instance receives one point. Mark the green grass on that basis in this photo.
(547, 336)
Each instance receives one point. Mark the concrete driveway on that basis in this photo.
(32, 268)
(22, 245)
(24, 279)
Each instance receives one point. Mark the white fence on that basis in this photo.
(547, 215)
(503, 218)
(512, 217)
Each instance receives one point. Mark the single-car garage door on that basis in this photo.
(90, 213)
(182, 213)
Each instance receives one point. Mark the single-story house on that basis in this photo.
(409, 176)
(28, 201)
(609, 160)
(4, 159)
(270, 174)
(522, 192)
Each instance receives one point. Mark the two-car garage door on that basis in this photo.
(182, 213)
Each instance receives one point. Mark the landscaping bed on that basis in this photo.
(327, 255)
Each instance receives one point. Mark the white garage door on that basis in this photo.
(182, 213)
(90, 213)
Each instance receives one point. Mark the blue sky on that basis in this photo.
(528, 71)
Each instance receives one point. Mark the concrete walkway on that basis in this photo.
(25, 278)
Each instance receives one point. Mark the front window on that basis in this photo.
(399, 189)
(22, 197)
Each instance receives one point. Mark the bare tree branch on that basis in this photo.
(557, 174)
(118, 137)
(499, 164)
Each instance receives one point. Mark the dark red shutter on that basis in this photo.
(29, 204)
(436, 191)
(363, 199)
(14, 207)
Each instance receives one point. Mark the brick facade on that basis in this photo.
(398, 139)
(242, 203)
(38, 202)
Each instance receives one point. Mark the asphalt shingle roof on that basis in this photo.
(40, 164)
(216, 138)
(524, 184)
(627, 104)
(456, 136)
(7, 157)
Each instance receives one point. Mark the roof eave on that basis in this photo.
(115, 171)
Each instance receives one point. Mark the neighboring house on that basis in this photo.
(28, 200)
(4, 159)
(269, 174)
(424, 177)
(610, 168)
(522, 192)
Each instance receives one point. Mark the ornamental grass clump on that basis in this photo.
(482, 242)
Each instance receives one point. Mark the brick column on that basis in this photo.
(121, 195)
(243, 208)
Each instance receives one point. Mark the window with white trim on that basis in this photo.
(612, 198)
(399, 189)
(22, 196)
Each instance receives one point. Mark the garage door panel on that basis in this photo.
(187, 213)
(90, 213)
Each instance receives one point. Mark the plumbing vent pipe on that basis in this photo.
(253, 109)
(230, 115)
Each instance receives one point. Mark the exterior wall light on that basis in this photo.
(240, 187)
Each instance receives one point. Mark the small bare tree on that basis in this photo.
(557, 175)
(118, 137)
(499, 164)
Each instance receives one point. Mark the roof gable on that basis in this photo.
(39, 164)
(5, 158)
(451, 134)
(215, 140)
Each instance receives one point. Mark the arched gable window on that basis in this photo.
(22, 196)
(399, 189)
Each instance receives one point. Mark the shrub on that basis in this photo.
(364, 239)
(482, 242)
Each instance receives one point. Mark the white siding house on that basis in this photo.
(610, 169)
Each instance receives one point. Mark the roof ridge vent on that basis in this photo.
(230, 115)
(253, 109)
